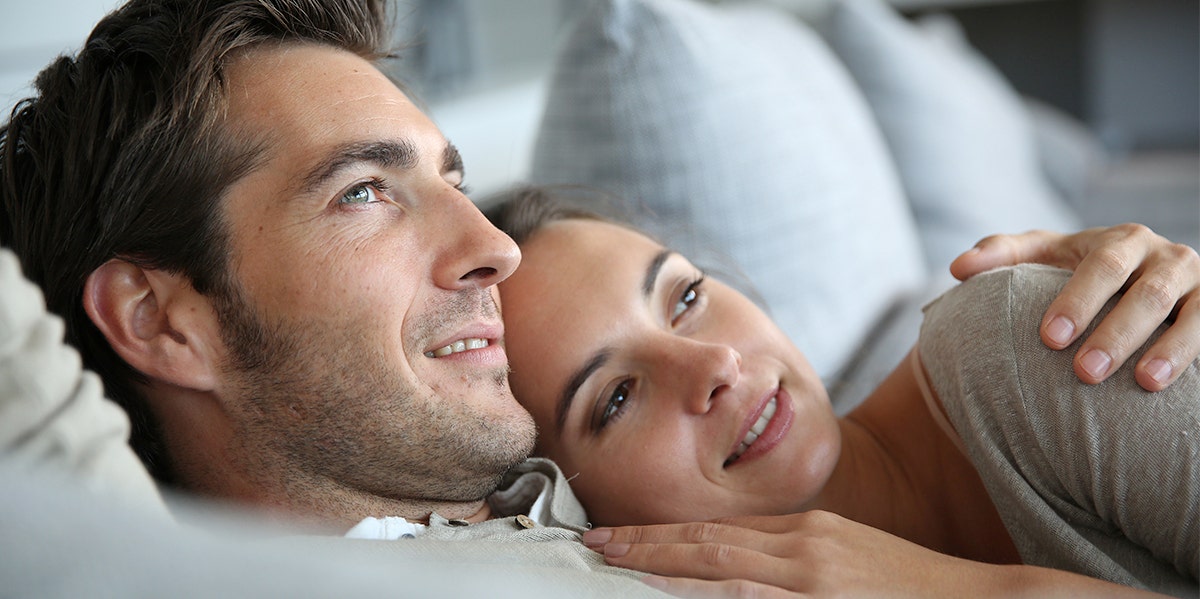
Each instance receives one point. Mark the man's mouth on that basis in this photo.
(757, 429)
(461, 345)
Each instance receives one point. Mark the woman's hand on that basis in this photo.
(816, 554)
(1160, 281)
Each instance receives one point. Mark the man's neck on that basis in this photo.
(212, 465)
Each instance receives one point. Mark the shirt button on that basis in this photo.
(457, 522)
(525, 521)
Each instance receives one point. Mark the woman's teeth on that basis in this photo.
(458, 346)
(759, 426)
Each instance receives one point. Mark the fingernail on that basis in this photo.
(1060, 330)
(1096, 363)
(597, 537)
(616, 549)
(1159, 370)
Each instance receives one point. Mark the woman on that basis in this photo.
(666, 396)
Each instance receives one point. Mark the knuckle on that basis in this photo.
(1111, 262)
(820, 521)
(716, 555)
(1134, 230)
(633, 534)
(1157, 295)
(703, 532)
(1184, 254)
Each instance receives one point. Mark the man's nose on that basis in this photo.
(473, 252)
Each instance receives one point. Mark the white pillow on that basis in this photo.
(958, 132)
(737, 126)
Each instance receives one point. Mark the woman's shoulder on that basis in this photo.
(1014, 291)
(994, 313)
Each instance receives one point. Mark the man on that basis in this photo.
(260, 244)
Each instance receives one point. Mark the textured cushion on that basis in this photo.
(739, 129)
(958, 132)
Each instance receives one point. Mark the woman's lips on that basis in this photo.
(771, 422)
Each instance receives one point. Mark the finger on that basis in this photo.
(1148, 302)
(709, 589)
(1099, 276)
(691, 532)
(1178, 346)
(1006, 250)
(706, 561)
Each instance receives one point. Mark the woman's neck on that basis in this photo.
(899, 472)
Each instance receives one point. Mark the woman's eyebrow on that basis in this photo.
(601, 357)
(576, 381)
(652, 272)
(451, 159)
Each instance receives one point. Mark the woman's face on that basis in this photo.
(662, 395)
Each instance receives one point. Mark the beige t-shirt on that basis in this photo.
(1103, 479)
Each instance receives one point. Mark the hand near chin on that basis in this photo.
(816, 554)
(811, 553)
(1160, 281)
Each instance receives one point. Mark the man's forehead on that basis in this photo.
(303, 102)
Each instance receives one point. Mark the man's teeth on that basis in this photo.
(458, 346)
(759, 426)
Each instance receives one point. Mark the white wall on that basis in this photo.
(34, 32)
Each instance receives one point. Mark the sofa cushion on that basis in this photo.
(741, 132)
(958, 132)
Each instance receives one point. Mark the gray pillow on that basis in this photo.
(739, 129)
(958, 132)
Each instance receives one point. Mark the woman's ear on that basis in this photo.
(156, 322)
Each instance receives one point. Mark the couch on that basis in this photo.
(832, 165)
(832, 158)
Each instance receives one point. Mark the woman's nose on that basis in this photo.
(704, 371)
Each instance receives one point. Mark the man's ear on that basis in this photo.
(156, 322)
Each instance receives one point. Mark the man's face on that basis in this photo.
(363, 336)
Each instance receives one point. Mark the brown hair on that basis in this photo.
(522, 211)
(121, 154)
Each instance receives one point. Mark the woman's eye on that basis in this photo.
(612, 407)
(359, 194)
(687, 299)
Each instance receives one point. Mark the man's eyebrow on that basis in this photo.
(384, 153)
(652, 272)
(576, 381)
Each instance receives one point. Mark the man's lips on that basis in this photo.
(763, 428)
(461, 345)
(469, 339)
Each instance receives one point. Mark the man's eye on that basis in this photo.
(359, 194)
(687, 299)
(612, 407)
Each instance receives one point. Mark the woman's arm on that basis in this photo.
(1160, 280)
(820, 554)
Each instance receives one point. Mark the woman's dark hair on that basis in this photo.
(522, 211)
(122, 154)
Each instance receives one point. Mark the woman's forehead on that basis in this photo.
(583, 236)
